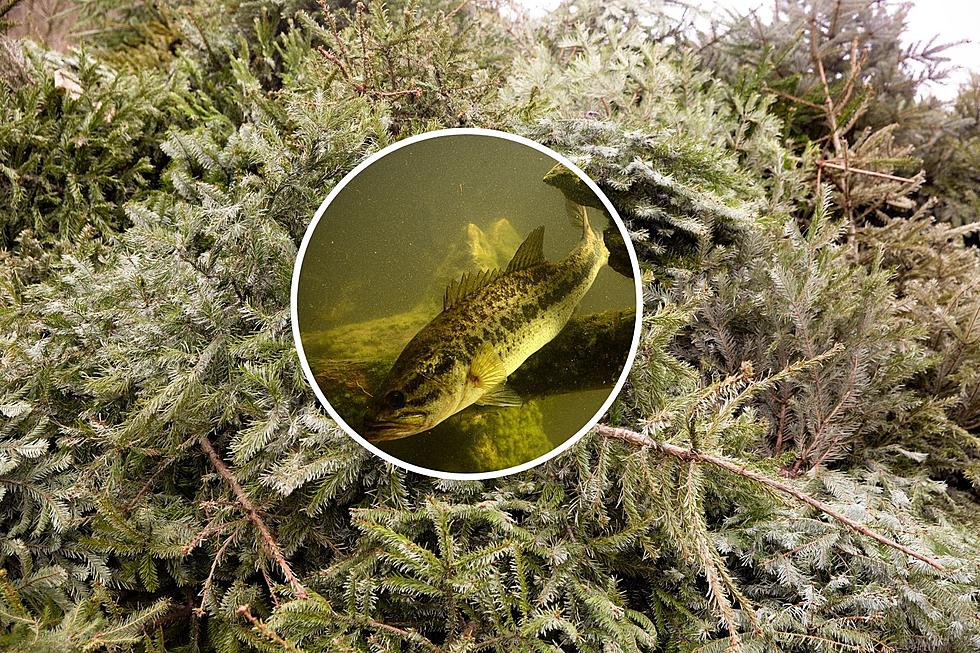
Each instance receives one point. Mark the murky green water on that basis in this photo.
(376, 269)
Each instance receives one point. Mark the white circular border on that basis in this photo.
(564, 446)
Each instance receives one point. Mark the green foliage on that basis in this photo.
(863, 114)
(953, 157)
(877, 121)
(5, 9)
(167, 482)
(797, 297)
(842, 33)
(677, 197)
(934, 277)
(821, 589)
(76, 141)
(423, 82)
(95, 624)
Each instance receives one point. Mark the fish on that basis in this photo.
(492, 321)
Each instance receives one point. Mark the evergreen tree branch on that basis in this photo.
(271, 546)
(214, 567)
(739, 469)
(836, 133)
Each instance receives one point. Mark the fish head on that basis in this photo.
(414, 398)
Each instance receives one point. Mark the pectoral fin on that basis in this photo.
(486, 369)
(500, 396)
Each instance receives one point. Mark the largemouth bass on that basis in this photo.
(491, 322)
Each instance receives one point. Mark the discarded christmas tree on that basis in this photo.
(792, 465)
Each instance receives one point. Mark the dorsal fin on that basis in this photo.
(467, 284)
(530, 252)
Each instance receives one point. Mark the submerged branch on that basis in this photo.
(743, 471)
(589, 354)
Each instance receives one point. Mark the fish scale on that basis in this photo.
(491, 324)
(523, 326)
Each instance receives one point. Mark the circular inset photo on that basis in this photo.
(466, 303)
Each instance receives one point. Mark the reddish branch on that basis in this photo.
(793, 98)
(268, 541)
(817, 439)
(739, 469)
(245, 612)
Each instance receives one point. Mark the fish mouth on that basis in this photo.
(379, 430)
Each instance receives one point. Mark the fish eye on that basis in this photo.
(395, 399)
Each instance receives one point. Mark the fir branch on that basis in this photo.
(271, 546)
(163, 206)
(792, 98)
(742, 470)
(206, 587)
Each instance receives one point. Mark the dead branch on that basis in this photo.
(793, 98)
(831, 112)
(869, 173)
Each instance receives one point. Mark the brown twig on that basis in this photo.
(415, 90)
(199, 611)
(857, 64)
(269, 542)
(359, 12)
(783, 399)
(742, 470)
(869, 173)
(335, 60)
(246, 613)
(400, 632)
(830, 108)
(840, 148)
(128, 505)
(823, 421)
(793, 98)
(458, 8)
(212, 527)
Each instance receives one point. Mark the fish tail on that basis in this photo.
(579, 218)
(591, 240)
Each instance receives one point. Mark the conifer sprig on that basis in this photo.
(741, 469)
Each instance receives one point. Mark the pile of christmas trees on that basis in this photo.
(793, 465)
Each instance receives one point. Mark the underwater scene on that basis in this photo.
(466, 304)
